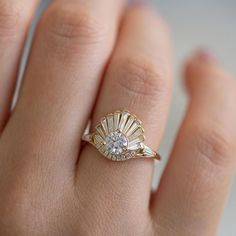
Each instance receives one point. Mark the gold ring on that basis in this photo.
(119, 136)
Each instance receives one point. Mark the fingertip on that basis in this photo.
(201, 58)
(205, 56)
(202, 64)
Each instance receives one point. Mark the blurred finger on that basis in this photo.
(196, 181)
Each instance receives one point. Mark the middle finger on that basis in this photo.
(72, 44)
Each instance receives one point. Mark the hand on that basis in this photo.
(105, 55)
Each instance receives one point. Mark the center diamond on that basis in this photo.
(116, 143)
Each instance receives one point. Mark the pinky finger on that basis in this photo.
(196, 181)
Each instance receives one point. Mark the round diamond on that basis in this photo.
(116, 143)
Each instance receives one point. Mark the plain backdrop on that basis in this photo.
(208, 24)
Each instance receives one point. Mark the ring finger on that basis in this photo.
(138, 79)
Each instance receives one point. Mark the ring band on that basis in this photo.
(119, 136)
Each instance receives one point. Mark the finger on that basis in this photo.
(15, 18)
(137, 79)
(71, 47)
(197, 179)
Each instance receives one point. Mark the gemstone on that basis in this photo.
(148, 151)
(116, 143)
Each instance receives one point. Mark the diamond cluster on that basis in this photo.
(119, 136)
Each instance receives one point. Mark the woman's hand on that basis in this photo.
(90, 58)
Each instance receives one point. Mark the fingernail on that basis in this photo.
(206, 56)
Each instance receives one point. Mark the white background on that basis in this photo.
(206, 24)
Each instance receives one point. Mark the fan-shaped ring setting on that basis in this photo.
(120, 136)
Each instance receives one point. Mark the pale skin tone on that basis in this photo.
(90, 58)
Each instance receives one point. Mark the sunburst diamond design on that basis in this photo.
(119, 136)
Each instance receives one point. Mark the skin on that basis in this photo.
(89, 59)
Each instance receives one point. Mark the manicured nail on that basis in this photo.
(206, 56)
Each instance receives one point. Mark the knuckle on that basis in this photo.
(215, 145)
(142, 78)
(71, 27)
(10, 18)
